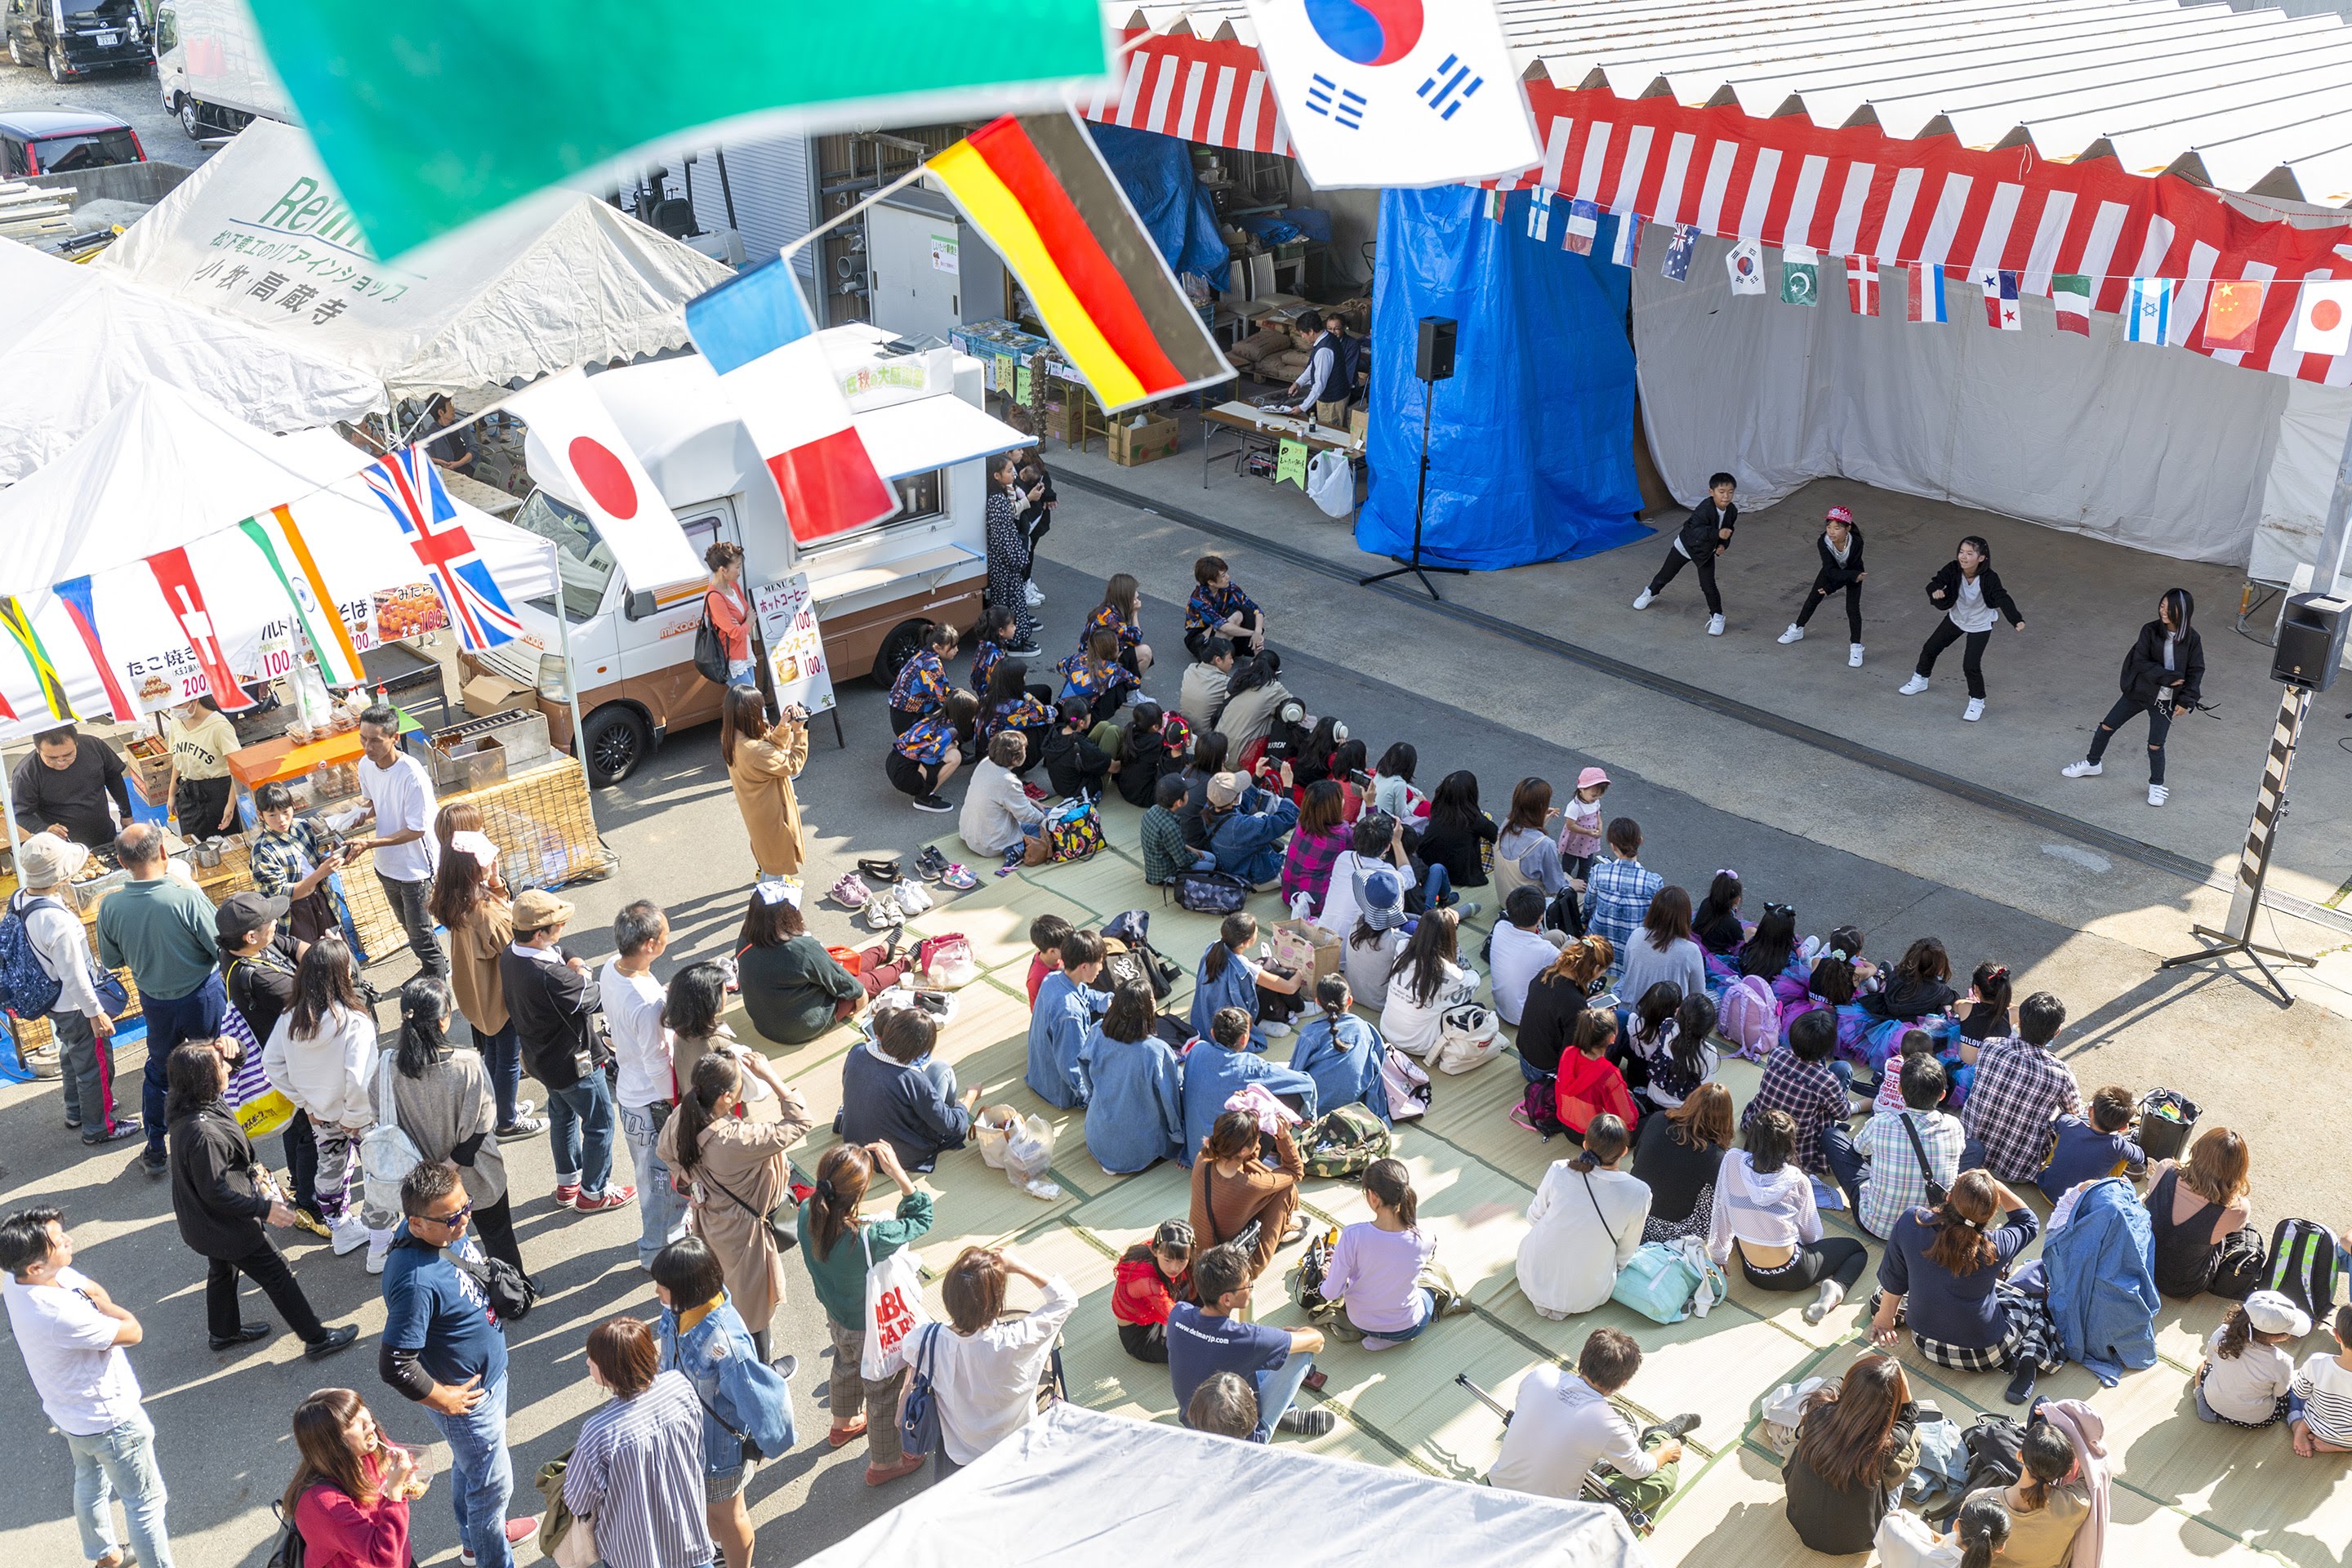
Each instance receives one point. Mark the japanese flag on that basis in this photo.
(1396, 92)
(2323, 319)
(578, 446)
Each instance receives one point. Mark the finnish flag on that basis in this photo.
(2148, 311)
(1396, 92)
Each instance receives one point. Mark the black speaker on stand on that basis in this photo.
(1433, 362)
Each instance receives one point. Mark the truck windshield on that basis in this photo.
(583, 558)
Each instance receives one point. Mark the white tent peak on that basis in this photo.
(259, 234)
(77, 341)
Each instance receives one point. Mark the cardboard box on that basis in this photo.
(1153, 440)
(1305, 949)
(489, 692)
(1356, 423)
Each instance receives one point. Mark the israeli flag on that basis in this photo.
(2148, 311)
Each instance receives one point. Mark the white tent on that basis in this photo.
(76, 340)
(1079, 1487)
(164, 470)
(258, 234)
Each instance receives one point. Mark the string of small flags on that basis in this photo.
(2232, 312)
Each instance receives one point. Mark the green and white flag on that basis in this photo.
(2071, 292)
(1800, 276)
(429, 117)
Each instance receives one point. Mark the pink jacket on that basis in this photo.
(2085, 1430)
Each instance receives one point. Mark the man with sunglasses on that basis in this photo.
(443, 1347)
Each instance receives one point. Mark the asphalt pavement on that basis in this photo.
(131, 96)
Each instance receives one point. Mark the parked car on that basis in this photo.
(75, 38)
(58, 141)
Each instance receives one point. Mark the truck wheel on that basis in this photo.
(58, 71)
(192, 121)
(618, 741)
(898, 648)
(17, 53)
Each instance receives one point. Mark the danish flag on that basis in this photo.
(405, 481)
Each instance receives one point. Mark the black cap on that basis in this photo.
(245, 913)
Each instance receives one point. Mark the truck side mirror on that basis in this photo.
(640, 603)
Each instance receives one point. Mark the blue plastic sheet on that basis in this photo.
(1531, 442)
(1156, 172)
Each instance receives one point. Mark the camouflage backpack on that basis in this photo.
(1344, 1142)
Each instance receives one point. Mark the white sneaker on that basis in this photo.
(1642, 601)
(1912, 687)
(1034, 594)
(378, 1248)
(1974, 711)
(2157, 795)
(1853, 655)
(2085, 770)
(1274, 1031)
(1715, 626)
(347, 1234)
(1794, 634)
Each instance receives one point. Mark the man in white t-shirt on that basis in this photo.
(645, 1091)
(1522, 950)
(400, 797)
(72, 1336)
(1565, 1423)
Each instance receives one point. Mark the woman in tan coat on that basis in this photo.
(733, 1171)
(470, 900)
(761, 762)
(1232, 1186)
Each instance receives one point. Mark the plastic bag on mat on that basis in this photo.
(1331, 483)
(1022, 1147)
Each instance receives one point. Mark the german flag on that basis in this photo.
(1035, 187)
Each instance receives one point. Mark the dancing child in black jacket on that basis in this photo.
(2164, 670)
(1840, 552)
(1704, 535)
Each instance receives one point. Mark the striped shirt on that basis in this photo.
(2325, 1386)
(636, 1474)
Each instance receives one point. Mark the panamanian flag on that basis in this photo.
(2000, 300)
(410, 489)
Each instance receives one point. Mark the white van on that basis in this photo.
(211, 69)
(632, 644)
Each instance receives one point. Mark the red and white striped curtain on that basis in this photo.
(1844, 192)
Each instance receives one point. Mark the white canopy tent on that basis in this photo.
(76, 340)
(257, 234)
(1081, 1489)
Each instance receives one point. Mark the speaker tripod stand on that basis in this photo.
(1414, 563)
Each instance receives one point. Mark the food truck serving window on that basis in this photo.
(586, 563)
(922, 498)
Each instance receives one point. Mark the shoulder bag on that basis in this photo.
(919, 1417)
(783, 1221)
(1936, 1190)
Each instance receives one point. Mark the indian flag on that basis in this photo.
(2071, 292)
(1041, 196)
(286, 555)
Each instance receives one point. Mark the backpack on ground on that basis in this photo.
(1072, 831)
(1750, 1017)
(1470, 1036)
(2302, 1266)
(2166, 1120)
(386, 1154)
(1210, 892)
(1407, 1085)
(2239, 1269)
(1134, 927)
(1342, 1142)
(26, 988)
(1666, 1281)
(1123, 966)
(1536, 1111)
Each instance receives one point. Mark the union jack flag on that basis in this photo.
(405, 481)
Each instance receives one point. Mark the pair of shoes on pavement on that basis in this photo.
(1641, 601)
(1852, 649)
(571, 1198)
(517, 1532)
(2156, 793)
(319, 1349)
(1919, 683)
(134, 1127)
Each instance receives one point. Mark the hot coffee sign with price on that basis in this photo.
(796, 647)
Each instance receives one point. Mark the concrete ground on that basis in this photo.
(132, 96)
(1898, 857)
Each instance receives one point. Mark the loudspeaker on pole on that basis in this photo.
(1433, 354)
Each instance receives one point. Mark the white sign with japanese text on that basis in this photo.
(795, 645)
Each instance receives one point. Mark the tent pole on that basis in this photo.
(2328, 563)
(572, 690)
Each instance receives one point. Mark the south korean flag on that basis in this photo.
(1396, 92)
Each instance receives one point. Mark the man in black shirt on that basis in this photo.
(62, 788)
(454, 447)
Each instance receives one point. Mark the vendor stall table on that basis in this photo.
(1261, 431)
(396, 669)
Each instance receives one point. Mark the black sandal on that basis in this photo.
(884, 868)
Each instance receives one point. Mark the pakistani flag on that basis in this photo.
(2071, 292)
(1800, 276)
(429, 117)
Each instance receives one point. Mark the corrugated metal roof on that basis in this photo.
(2249, 99)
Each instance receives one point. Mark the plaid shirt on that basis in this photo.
(2019, 1089)
(1617, 895)
(1306, 868)
(281, 859)
(1109, 615)
(1165, 853)
(1210, 608)
(1896, 1183)
(921, 685)
(1809, 1092)
(927, 740)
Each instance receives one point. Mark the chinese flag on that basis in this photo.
(2233, 314)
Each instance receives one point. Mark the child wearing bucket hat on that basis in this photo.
(2247, 1372)
(1840, 550)
(1368, 953)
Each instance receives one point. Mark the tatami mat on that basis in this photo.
(2186, 1491)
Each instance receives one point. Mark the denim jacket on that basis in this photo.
(741, 1395)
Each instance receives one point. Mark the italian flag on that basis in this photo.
(2071, 292)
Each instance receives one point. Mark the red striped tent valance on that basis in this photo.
(1844, 190)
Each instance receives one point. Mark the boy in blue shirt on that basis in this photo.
(1067, 1004)
(2099, 1145)
(1205, 1338)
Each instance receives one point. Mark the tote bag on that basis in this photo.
(894, 1310)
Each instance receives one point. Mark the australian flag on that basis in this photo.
(410, 487)
(1679, 253)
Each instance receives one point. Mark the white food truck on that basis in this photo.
(212, 70)
(632, 644)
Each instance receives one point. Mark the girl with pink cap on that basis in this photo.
(1841, 549)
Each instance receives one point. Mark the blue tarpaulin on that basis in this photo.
(1531, 442)
(1156, 172)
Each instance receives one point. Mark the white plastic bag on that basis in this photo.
(1331, 483)
(894, 1310)
(1783, 1408)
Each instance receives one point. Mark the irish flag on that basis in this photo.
(2071, 292)
(1036, 189)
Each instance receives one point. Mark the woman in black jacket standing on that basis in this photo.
(1968, 591)
(222, 1207)
(2164, 670)
(1840, 552)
